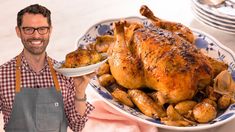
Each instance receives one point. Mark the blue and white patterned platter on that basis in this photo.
(205, 42)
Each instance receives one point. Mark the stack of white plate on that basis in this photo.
(221, 17)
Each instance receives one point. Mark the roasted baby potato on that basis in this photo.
(106, 80)
(146, 104)
(224, 102)
(185, 106)
(103, 69)
(204, 112)
(119, 93)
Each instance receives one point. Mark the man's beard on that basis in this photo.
(33, 49)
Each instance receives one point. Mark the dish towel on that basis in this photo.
(104, 118)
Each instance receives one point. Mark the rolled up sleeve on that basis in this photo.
(75, 121)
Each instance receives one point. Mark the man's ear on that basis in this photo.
(17, 31)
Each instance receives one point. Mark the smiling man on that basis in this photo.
(33, 96)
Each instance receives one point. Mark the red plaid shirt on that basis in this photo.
(43, 79)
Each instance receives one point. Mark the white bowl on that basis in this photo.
(80, 71)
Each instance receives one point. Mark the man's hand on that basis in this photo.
(81, 84)
(80, 88)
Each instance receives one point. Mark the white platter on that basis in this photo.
(80, 71)
(205, 42)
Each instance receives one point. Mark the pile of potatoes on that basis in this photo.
(203, 108)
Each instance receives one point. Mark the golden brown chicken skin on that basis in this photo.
(124, 66)
(177, 28)
(171, 65)
(81, 57)
(158, 59)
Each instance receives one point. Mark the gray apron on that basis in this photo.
(37, 109)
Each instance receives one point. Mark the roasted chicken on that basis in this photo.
(159, 59)
(81, 57)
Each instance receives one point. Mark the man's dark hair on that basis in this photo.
(34, 9)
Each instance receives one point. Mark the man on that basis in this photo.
(33, 97)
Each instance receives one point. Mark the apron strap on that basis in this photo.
(57, 86)
(18, 74)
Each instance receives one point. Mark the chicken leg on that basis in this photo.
(124, 65)
(177, 28)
